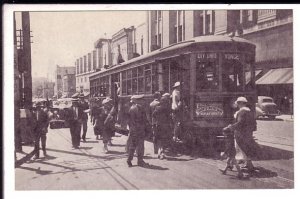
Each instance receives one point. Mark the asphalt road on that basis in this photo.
(88, 168)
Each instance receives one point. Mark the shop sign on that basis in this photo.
(204, 109)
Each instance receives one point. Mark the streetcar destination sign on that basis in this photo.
(209, 110)
(207, 56)
(232, 56)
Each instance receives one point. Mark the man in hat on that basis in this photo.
(153, 104)
(176, 110)
(83, 105)
(243, 128)
(137, 130)
(107, 115)
(75, 123)
(40, 129)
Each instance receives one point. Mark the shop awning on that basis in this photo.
(277, 76)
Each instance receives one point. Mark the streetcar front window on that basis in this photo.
(232, 76)
(206, 76)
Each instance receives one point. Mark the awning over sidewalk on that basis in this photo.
(277, 76)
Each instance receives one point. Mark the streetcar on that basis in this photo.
(213, 70)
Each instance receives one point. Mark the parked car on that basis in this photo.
(60, 113)
(265, 107)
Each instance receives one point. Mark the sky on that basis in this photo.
(59, 38)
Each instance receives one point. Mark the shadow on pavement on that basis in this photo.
(85, 147)
(38, 170)
(90, 142)
(178, 159)
(118, 145)
(154, 167)
(269, 119)
(260, 172)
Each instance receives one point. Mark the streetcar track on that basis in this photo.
(103, 164)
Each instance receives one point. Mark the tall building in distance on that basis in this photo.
(60, 73)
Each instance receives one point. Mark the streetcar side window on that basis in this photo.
(155, 84)
(134, 81)
(129, 85)
(124, 83)
(141, 85)
(206, 77)
(148, 79)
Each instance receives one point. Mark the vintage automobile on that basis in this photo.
(60, 111)
(265, 107)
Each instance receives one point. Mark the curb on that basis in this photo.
(24, 159)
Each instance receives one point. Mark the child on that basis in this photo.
(230, 152)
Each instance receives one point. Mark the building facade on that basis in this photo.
(122, 45)
(270, 30)
(140, 40)
(60, 72)
(68, 85)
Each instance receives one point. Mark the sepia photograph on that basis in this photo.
(152, 99)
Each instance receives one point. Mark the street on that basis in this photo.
(89, 168)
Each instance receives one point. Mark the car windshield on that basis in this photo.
(267, 100)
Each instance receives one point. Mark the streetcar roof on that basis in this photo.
(200, 39)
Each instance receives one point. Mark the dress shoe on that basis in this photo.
(129, 163)
(142, 163)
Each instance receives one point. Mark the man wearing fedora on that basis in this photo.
(176, 110)
(138, 124)
(83, 105)
(74, 120)
(243, 128)
(40, 129)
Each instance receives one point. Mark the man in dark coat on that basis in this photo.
(75, 118)
(162, 118)
(138, 124)
(40, 129)
(84, 107)
(153, 105)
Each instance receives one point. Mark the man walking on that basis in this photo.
(75, 123)
(137, 130)
(83, 105)
(153, 105)
(40, 130)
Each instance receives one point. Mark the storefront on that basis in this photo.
(277, 83)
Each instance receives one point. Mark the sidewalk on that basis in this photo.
(289, 118)
(21, 157)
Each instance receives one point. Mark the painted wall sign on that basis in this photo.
(209, 109)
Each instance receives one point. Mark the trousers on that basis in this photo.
(40, 135)
(84, 129)
(75, 128)
(135, 144)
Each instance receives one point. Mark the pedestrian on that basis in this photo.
(153, 105)
(40, 129)
(243, 129)
(107, 116)
(176, 110)
(97, 121)
(74, 119)
(84, 107)
(230, 152)
(162, 119)
(137, 130)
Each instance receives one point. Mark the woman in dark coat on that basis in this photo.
(162, 118)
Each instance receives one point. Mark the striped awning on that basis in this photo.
(277, 76)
